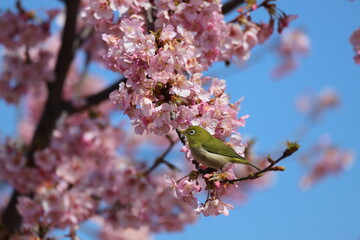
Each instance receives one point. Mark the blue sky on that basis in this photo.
(330, 210)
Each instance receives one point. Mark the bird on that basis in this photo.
(211, 151)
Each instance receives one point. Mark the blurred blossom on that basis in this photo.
(314, 105)
(215, 207)
(355, 41)
(109, 232)
(324, 158)
(293, 43)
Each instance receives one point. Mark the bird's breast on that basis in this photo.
(209, 159)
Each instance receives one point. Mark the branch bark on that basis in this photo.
(54, 102)
(11, 219)
(231, 5)
(291, 148)
(52, 110)
(94, 99)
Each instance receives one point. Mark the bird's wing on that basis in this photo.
(220, 149)
(224, 150)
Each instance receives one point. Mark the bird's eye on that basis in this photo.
(192, 132)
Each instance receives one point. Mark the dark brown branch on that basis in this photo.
(84, 34)
(150, 19)
(82, 77)
(231, 5)
(161, 159)
(291, 148)
(11, 219)
(52, 109)
(93, 100)
(53, 105)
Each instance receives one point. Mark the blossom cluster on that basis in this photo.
(81, 176)
(164, 86)
(25, 65)
(293, 43)
(187, 187)
(218, 187)
(315, 104)
(323, 159)
(88, 170)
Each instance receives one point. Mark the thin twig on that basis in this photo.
(292, 147)
(161, 159)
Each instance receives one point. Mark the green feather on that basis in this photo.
(216, 146)
(201, 140)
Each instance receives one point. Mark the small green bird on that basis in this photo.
(211, 151)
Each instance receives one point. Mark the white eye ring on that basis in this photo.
(192, 132)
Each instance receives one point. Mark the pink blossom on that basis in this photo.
(185, 190)
(217, 87)
(120, 5)
(237, 144)
(168, 33)
(315, 104)
(162, 119)
(323, 159)
(215, 207)
(93, 166)
(19, 29)
(46, 159)
(184, 116)
(266, 30)
(109, 232)
(206, 122)
(355, 41)
(30, 210)
(11, 157)
(147, 107)
(121, 98)
(101, 9)
(293, 44)
(180, 86)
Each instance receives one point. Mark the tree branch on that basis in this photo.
(160, 159)
(104, 94)
(11, 219)
(52, 110)
(231, 5)
(291, 148)
(53, 105)
(94, 99)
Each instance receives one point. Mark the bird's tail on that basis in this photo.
(254, 166)
(244, 161)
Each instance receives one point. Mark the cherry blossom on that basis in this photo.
(88, 168)
(355, 41)
(293, 43)
(315, 104)
(323, 159)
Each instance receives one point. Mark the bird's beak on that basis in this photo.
(182, 135)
